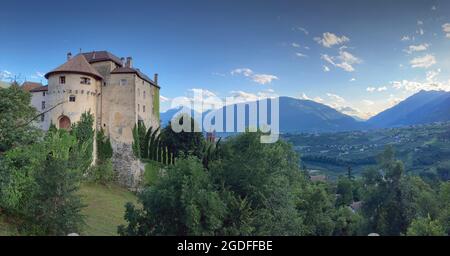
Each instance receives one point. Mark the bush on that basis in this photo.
(103, 173)
(152, 169)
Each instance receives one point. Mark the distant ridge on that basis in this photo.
(421, 108)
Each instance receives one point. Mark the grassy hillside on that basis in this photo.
(104, 211)
(105, 208)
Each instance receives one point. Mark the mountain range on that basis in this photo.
(299, 115)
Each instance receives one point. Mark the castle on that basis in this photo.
(112, 90)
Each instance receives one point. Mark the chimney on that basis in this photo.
(122, 60)
(156, 79)
(69, 55)
(129, 63)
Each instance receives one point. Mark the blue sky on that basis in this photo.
(357, 56)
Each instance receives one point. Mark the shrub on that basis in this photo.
(103, 173)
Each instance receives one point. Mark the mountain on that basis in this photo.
(421, 108)
(297, 115)
(309, 116)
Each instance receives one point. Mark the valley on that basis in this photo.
(424, 149)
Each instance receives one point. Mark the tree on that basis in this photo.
(183, 143)
(42, 183)
(384, 204)
(345, 191)
(425, 227)
(16, 112)
(182, 202)
(83, 131)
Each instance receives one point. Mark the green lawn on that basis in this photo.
(105, 208)
(103, 213)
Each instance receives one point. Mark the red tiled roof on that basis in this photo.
(28, 86)
(43, 88)
(97, 56)
(127, 70)
(78, 64)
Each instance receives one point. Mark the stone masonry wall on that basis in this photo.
(129, 169)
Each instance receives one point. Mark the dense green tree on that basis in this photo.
(425, 227)
(41, 185)
(384, 206)
(16, 115)
(344, 191)
(182, 202)
(183, 143)
(347, 222)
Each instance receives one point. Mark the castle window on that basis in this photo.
(123, 82)
(62, 79)
(139, 92)
(72, 98)
(42, 117)
(43, 94)
(139, 107)
(144, 94)
(143, 108)
(43, 105)
(85, 80)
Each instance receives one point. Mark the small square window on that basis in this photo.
(72, 98)
(62, 79)
(85, 80)
(43, 94)
(123, 82)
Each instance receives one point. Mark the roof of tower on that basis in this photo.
(78, 64)
(98, 56)
(128, 70)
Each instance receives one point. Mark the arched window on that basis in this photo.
(72, 98)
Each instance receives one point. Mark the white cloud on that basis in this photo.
(326, 68)
(242, 96)
(433, 8)
(420, 31)
(423, 62)
(295, 45)
(382, 89)
(352, 79)
(316, 99)
(417, 48)
(414, 86)
(406, 38)
(263, 78)
(368, 102)
(446, 29)
(163, 99)
(431, 75)
(371, 89)
(304, 30)
(420, 22)
(257, 78)
(345, 60)
(6, 75)
(243, 71)
(336, 98)
(301, 55)
(329, 39)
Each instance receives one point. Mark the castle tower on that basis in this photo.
(73, 88)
